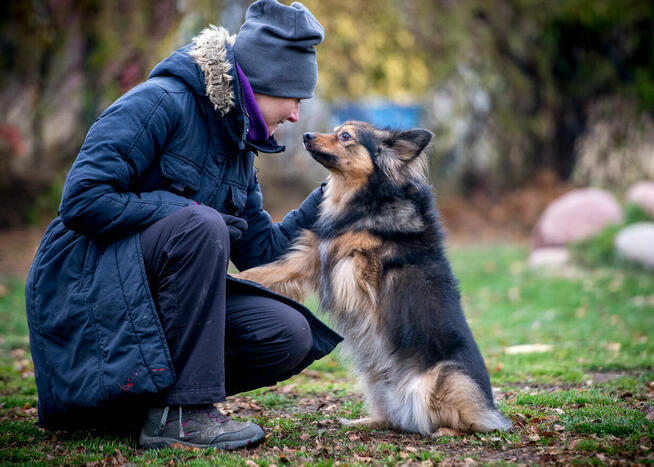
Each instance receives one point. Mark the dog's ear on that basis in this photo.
(408, 144)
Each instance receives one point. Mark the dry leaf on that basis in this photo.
(251, 463)
(613, 346)
(528, 348)
(182, 446)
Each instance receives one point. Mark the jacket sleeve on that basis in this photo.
(120, 146)
(266, 241)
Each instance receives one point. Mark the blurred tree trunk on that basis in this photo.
(61, 63)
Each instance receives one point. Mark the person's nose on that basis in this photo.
(295, 115)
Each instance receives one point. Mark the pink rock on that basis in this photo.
(642, 193)
(577, 215)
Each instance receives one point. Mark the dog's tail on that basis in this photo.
(456, 401)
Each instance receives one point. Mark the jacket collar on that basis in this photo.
(213, 53)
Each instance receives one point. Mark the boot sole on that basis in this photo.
(159, 442)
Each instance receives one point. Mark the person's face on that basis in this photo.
(277, 110)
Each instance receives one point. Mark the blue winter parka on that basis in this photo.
(174, 140)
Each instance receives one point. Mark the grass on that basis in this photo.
(588, 399)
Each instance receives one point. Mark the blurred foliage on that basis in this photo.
(617, 148)
(369, 51)
(542, 63)
(540, 66)
(61, 63)
(599, 251)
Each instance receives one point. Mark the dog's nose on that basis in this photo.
(308, 137)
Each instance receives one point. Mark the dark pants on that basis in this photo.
(220, 343)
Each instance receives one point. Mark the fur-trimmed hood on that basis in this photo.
(207, 67)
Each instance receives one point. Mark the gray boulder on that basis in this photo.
(577, 215)
(642, 193)
(636, 242)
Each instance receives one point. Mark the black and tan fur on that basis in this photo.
(375, 256)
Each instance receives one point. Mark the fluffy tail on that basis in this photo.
(457, 402)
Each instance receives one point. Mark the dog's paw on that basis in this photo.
(244, 275)
(442, 431)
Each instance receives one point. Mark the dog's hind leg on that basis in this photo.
(457, 402)
(292, 274)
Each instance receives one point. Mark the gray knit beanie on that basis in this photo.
(275, 49)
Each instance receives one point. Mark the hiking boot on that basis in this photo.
(201, 426)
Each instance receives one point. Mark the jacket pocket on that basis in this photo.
(236, 200)
(181, 173)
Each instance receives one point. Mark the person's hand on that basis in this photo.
(236, 226)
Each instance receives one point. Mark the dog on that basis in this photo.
(375, 256)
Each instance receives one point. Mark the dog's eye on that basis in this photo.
(345, 136)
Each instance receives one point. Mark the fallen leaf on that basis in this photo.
(119, 456)
(533, 437)
(181, 446)
(613, 346)
(411, 449)
(528, 348)
(288, 388)
(304, 436)
(251, 463)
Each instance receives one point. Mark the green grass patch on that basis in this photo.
(590, 389)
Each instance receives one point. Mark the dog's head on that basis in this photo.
(356, 150)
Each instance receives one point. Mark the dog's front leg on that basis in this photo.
(294, 273)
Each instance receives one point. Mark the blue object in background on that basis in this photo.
(379, 113)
